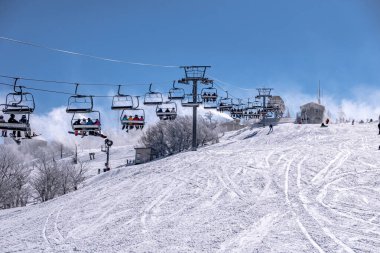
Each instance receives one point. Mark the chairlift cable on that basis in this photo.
(72, 83)
(54, 91)
(86, 55)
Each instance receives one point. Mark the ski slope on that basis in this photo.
(300, 189)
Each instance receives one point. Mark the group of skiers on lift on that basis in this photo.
(12, 119)
(89, 121)
(129, 124)
(167, 113)
(209, 97)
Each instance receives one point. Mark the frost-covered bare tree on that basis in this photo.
(77, 174)
(47, 177)
(65, 169)
(170, 137)
(14, 177)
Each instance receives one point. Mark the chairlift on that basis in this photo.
(176, 93)
(188, 101)
(132, 118)
(18, 102)
(250, 111)
(121, 101)
(209, 96)
(237, 110)
(19, 126)
(152, 97)
(85, 121)
(167, 111)
(225, 104)
(253, 105)
(79, 103)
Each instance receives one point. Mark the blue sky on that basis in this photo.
(288, 45)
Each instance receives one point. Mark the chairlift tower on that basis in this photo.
(264, 94)
(194, 74)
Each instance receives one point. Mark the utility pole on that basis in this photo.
(194, 74)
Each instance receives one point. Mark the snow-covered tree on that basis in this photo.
(14, 178)
(170, 137)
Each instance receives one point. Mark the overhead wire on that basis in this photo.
(105, 59)
(85, 55)
(73, 83)
(55, 91)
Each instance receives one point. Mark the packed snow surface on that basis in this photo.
(300, 189)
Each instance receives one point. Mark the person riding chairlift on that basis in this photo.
(12, 119)
(83, 122)
(24, 120)
(135, 118)
(3, 132)
(213, 97)
(125, 118)
(77, 122)
(89, 121)
(130, 118)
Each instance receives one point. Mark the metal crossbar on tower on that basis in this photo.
(194, 74)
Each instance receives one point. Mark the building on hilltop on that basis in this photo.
(311, 113)
(145, 154)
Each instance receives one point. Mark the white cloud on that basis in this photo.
(363, 105)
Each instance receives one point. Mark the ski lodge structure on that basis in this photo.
(145, 154)
(312, 113)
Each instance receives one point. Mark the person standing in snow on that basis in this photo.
(379, 127)
(270, 128)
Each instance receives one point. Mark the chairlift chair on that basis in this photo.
(80, 122)
(152, 97)
(176, 93)
(188, 101)
(225, 104)
(79, 103)
(209, 96)
(167, 111)
(18, 101)
(237, 110)
(22, 127)
(122, 101)
(131, 118)
(209, 93)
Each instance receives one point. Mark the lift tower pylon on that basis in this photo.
(194, 74)
(264, 94)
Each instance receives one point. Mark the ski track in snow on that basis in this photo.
(300, 189)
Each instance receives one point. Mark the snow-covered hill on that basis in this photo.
(301, 189)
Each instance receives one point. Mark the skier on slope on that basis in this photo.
(270, 128)
(379, 127)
